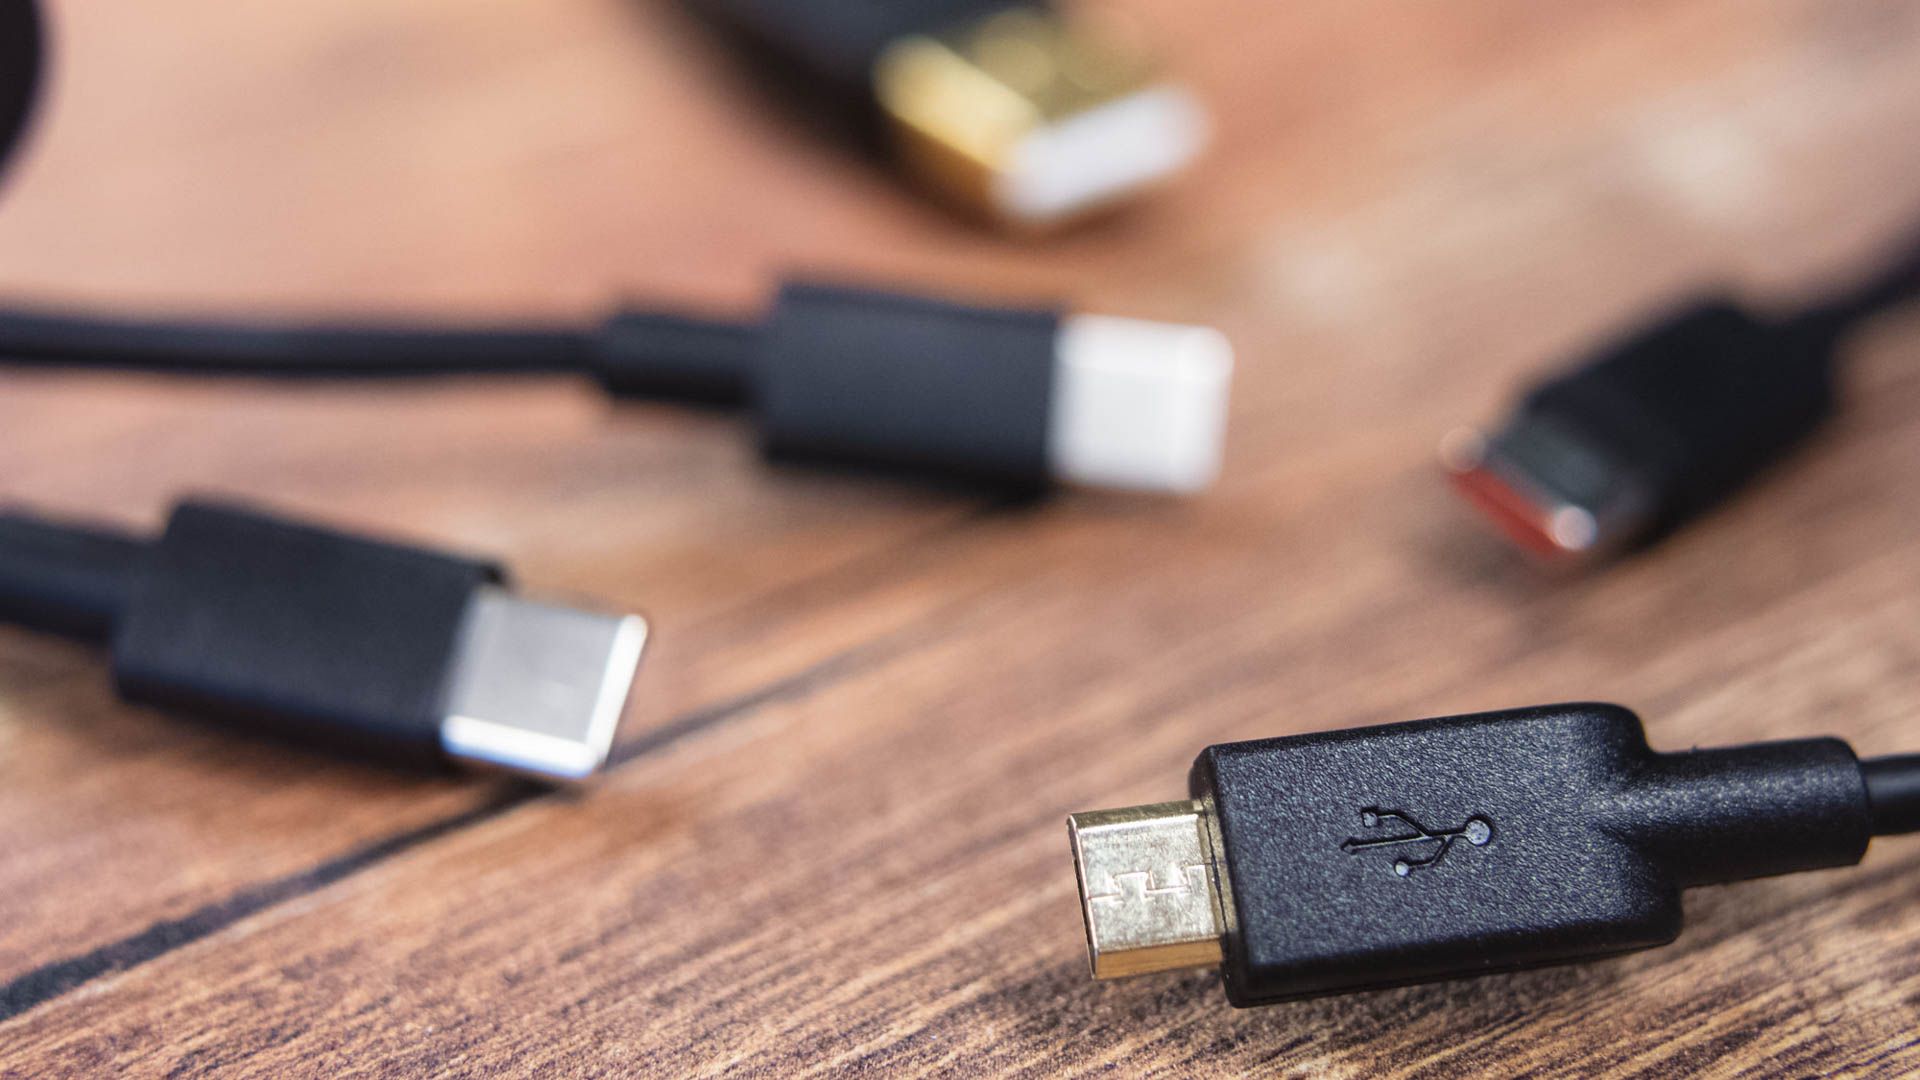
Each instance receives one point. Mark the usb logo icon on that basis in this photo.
(1419, 847)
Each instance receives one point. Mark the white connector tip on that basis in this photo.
(1139, 405)
(1090, 159)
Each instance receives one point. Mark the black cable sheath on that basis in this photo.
(653, 355)
(65, 579)
(1893, 789)
(638, 354)
(1897, 283)
(290, 350)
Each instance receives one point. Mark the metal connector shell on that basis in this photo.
(1028, 119)
(538, 690)
(1555, 495)
(1147, 888)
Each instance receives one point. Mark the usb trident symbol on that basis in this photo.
(1476, 830)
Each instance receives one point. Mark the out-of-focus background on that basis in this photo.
(833, 840)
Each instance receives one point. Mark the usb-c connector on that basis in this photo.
(537, 689)
(372, 646)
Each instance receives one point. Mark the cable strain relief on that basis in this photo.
(1893, 792)
(676, 357)
(72, 580)
(1733, 813)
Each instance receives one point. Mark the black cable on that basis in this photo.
(186, 346)
(65, 579)
(1897, 283)
(1893, 788)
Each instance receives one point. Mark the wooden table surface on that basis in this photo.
(833, 840)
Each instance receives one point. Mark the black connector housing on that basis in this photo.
(873, 378)
(1697, 404)
(1380, 856)
(304, 632)
(852, 376)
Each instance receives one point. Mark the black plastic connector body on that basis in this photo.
(1697, 404)
(1386, 855)
(855, 376)
(305, 632)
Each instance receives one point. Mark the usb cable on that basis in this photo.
(1014, 397)
(381, 648)
(1010, 111)
(1379, 856)
(1657, 427)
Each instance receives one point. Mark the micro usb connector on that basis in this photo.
(1379, 856)
(363, 644)
(1149, 891)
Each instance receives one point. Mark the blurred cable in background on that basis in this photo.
(19, 72)
(1011, 111)
(1658, 426)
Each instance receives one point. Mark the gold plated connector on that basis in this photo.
(1147, 888)
(1031, 121)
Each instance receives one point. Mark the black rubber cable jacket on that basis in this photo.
(65, 579)
(238, 348)
(634, 354)
(1895, 283)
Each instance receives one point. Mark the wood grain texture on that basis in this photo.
(833, 842)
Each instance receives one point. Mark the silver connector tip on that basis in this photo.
(538, 690)
(1138, 405)
(1147, 888)
(1552, 493)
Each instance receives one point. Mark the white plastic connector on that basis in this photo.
(1100, 156)
(1137, 404)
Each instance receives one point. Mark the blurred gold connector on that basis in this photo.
(1029, 120)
